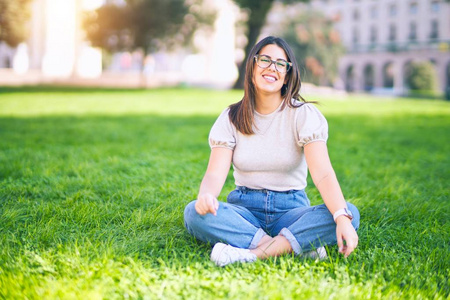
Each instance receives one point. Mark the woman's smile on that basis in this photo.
(269, 78)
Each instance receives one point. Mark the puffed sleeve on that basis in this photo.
(311, 125)
(222, 133)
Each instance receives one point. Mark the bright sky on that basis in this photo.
(92, 4)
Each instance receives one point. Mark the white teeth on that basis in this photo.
(269, 78)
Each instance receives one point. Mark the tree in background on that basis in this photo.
(108, 27)
(257, 10)
(148, 25)
(422, 77)
(14, 16)
(317, 46)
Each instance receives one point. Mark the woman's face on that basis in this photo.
(270, 80)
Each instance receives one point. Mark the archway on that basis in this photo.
(407, 72)
(388, 75)
(350, 79)
(447, 72)
(447, 81)
(369, 77)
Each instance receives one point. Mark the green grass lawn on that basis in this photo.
(93, 184)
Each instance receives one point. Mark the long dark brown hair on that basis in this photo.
(241, 113)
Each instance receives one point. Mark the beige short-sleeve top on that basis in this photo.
(273, 157)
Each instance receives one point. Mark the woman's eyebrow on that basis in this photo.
(272, 57)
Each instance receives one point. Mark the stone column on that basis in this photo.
(60, 23)
(398, 77)
(378, 73)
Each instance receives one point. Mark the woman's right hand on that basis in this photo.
(206, 203)
(212, 183)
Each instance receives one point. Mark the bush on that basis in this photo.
(422, 77)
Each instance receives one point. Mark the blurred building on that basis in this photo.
(55, 48)
(57, 52)
(384, 37)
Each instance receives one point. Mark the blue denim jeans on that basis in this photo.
(250, 214)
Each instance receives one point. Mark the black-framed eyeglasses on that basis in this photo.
(264, 61)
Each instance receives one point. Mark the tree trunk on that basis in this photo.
(256, 21)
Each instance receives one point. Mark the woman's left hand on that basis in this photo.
(346, 232)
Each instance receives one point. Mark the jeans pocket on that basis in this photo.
(234, 197)
(301, 198)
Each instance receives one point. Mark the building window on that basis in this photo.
(374, 12)
(412, 31)
(355, 15)
(373, 34)
(413, 8)
(7, 62)
(435, 6)
(392, 33)
(392, 10)
(355, 35)
(434, 34)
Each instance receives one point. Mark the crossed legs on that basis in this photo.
(272, 246)
(299, 231)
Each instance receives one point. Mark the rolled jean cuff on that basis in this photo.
(292, 240)
(256, 238)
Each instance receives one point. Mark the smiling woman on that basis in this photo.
(271, 137)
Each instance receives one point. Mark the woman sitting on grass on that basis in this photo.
(271, 137)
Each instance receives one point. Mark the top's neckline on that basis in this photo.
(269, 114)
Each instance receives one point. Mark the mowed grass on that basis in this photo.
(93, 185)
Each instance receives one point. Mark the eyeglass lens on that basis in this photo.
(264, 61)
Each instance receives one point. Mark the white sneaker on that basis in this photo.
(223, 255)
(320, 253)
